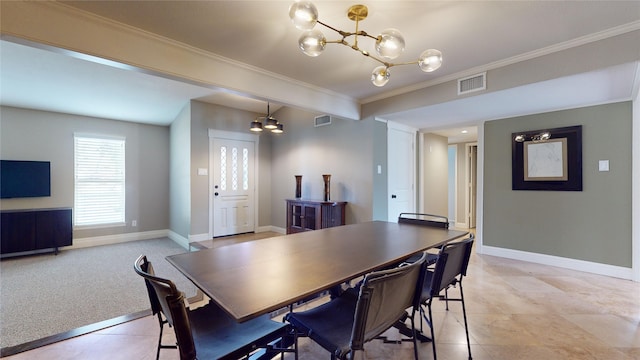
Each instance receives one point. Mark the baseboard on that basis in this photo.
(461, 225)
(179, 239)
(186, 243)
(116, 238)
(566, 263)
(271, 228)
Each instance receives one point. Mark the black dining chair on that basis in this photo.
(450, 268)
(343, 325)
(428, 220)
(208, 332)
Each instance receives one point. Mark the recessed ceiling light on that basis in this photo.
(464, 131)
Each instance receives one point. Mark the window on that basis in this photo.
(99, 180)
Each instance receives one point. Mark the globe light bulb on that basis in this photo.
(380, 76)
(390, 44)
(312, 42)
(430, 60)
(303, 14)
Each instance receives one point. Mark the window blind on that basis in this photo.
(99, 181)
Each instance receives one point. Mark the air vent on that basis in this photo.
(322, 120)
(472, 83)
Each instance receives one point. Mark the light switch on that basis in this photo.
(203, 171)
(603, 165)
(379, 169)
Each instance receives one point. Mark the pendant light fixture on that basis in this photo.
(388, 45)
(270, 123)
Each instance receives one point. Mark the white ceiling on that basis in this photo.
(471, 34)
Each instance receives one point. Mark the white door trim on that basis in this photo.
(222, 134)
(467, 184)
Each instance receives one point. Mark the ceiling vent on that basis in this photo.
(322, 120)
(472, 83)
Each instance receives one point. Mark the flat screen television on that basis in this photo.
(20, 179)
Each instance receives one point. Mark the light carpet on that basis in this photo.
(44, 295)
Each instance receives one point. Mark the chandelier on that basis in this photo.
(270, 123)
(389, 44)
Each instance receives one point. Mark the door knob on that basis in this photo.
(215, 193)
(393, 196)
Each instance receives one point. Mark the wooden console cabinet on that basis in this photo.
(34, 231)
(306, 215)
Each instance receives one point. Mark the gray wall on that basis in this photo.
(180, 179)
(435, 159)
(343, 149)
(47, 136)
(206, 116)
(593, 224)
(380, 181)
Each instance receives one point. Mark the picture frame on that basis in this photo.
(547, 159)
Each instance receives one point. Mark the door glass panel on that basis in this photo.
(297, 211)
(223, 168)
(234, 168)
(245, 169)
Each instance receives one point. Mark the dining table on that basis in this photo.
(253, 278)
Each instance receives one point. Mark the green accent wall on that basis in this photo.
(593, 224)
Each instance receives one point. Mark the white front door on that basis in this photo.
(401, 160)
(233, 186)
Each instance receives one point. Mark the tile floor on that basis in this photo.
(516, 310)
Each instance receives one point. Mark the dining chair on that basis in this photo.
(343, 325)
(428, 220)
(450, 268)
(208, 332)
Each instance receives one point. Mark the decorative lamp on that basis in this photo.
(270, 123)
(388, 45)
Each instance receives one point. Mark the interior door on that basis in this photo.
(401, 160)
(233, 186)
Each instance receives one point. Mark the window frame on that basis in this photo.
(118, 218)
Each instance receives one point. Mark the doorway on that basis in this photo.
(471, 179)
(232, 183)
(401, 164)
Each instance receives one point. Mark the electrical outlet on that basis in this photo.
(134, 223)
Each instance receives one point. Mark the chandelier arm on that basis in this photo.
(346, 34)
(342, 33)
(404, 63)
(387, 64)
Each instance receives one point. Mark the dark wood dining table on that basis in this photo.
(253, 278)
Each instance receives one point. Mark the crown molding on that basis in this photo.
(54, 26)
(583, 40)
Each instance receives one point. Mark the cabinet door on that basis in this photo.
(18, 232)
(311, 217)
(332, 215)
(54, 228)
(295, 221)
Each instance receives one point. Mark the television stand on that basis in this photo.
(34, 231)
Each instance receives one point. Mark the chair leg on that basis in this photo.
(160, 346)
(159, 341)
(433, 334)
(464, 315)
(415, 334)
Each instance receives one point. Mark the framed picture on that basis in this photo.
(547, 159)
